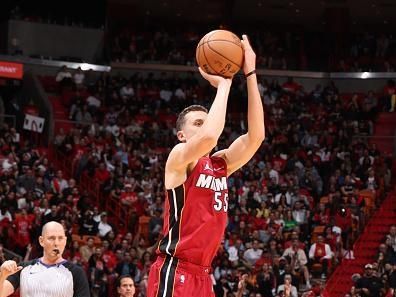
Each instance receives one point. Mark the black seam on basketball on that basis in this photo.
(207, 61)
(197, 55)
(225, 40)
(223, 56)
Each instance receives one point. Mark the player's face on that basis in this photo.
(193, 121)
(53, 241)
(126, 288)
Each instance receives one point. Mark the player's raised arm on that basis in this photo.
(245, 146)
(199, 131)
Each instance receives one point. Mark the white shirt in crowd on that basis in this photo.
(79, 78)
(104, 228)
(63, 74)
(93, 101)
(251, 255)
(179, 94)
(166, 95)
(127, 91)
(232, 253)
(301, 257)
(293, 290)
(5, 215)
(328, 255)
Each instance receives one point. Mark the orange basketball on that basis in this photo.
(220, 52)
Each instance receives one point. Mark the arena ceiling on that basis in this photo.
(271, 11)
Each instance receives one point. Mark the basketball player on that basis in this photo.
(197, 195)
(50, 275)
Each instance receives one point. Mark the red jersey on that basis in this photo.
(196, 213)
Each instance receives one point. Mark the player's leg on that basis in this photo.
(166, 280)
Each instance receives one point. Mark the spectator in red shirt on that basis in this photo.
(101, 173)
(22, 230)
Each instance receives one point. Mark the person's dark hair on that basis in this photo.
(120, 278)
(181, 118)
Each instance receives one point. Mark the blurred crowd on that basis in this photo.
(294, 209)
(275, 50)
(379, 277)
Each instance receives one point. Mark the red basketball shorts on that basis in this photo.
(172, 277)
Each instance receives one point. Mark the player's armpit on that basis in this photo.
(239, 152)
(185, 153)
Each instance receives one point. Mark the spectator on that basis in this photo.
(155, 226)
(254, 253)
(127, 92)
(266, 282)
(104, 227)
(64, 76)
(126, 267)
(298, 260)
(78, 78)
(320, 253)
(287, 288)
(369, 284)
(88, 226)
(391, 238)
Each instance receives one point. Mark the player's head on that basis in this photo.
(53, 240)
(189, 121)
(125, 286)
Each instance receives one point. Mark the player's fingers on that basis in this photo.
(245, 42)
(10, 264)
(203, 73)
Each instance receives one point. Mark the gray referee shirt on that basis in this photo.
(37, 279)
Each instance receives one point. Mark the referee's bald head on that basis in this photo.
(51, 226)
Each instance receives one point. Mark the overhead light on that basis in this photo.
(291, 3)
(297, 10)
(385, 21)
(365, 75)
(259, 4)
(373, 5)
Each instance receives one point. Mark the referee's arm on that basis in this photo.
(80, 282)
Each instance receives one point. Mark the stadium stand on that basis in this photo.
(314, 208)
(323, 186)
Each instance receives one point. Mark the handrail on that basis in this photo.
(14, 255)
(185, 68)
(373, 136)
(55, 63)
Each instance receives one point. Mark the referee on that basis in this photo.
(50, 275)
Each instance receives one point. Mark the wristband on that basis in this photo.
(250, 73)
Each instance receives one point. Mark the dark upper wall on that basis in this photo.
(55, 40)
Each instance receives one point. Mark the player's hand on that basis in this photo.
(215, 80)
(9, 268)
(249, 63)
